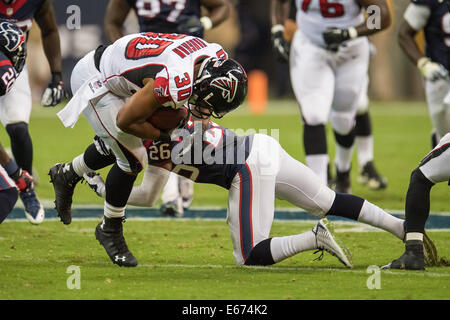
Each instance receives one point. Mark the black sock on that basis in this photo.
(346, 205)
(95, 160)
(417, 207)
(315, 139)
(118, 186)
(260, 254)
(347, 140)
(363, 127)
(21, 145)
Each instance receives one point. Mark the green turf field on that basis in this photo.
(193, 259)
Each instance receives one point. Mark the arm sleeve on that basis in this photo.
(417, 15)
(153, 182)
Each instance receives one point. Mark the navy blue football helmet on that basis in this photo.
(13, 43)
(221, 86)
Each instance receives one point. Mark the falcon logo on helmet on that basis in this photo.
(220, 87)
(228, 85)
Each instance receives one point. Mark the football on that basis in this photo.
(168, 118)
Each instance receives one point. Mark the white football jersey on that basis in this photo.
(167, 58)
(314, 16)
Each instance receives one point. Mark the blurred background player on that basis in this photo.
(434, 168)
(15, 106)
(368, 174)
(433, 17)
(329, 62)
(184, 17)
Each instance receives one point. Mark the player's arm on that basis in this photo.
(45, 18)
(279, 13)
(132, 117)
(333, 36)
(218, 12)
(415, 19)
(385, 18)
(116, 13)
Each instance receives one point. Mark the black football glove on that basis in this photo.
(190, 25)
(334, 37)
(280, 46)
(54, 92)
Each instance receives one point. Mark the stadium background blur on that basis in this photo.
(393, 77)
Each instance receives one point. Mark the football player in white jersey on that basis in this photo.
(183, 17)
(434, 168)
(433, 17)
(329, 60)
(118, 88)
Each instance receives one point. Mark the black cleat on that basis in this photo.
(343, 184)
(109, 233)
(412, 259)
(369, 176)
(64, 180)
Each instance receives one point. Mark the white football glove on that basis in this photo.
(96, 183)
(432, 71)
(54, 92)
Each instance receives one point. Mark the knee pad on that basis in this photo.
(314, 139)
(135, 161)
(342, 123)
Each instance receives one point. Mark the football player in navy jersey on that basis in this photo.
(160, 16)
(176, 17)
(15, 105)
(255, 170)
(433, 17)
(434, 168)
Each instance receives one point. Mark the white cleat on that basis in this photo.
(326, 240)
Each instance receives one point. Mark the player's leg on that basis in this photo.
(351, 69)
(297, 184)
(8, 198)
(439, 110)
(251, 210)
(15, 109)
(172, 202)
(131, 158)
(313, 84)
(368, 174)
(186, 191)
(432, 169)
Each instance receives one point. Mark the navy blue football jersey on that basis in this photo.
(22, 11)
(214, 157)
(8, 74)
(437, 31)
(163, 16)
